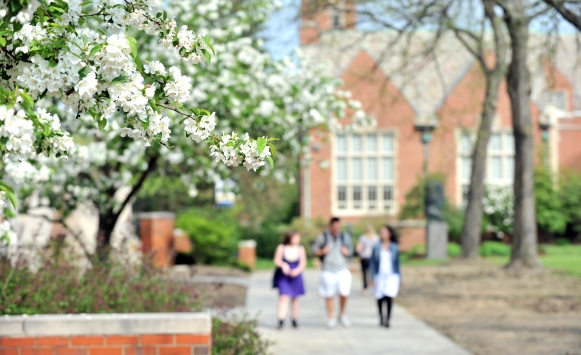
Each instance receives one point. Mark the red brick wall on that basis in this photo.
(569, 138)
(409, 237)
(247, 256)
(166, 344)
(156, 235)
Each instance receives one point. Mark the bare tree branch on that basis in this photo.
(570, 16)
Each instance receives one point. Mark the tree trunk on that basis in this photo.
(108, 218)
(472, 227)
(524, 241)
(107, 222)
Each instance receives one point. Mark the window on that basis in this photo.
(499, 166)
(558, 99)
(364, 177)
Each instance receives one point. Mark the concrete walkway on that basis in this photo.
(407, 335)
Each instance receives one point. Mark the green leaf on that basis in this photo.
(207, 55)
(272, 150)
(83, 72)
(95, 49)
(270, 162)
(2, 41)
(119, 79)
(261, 144)
(85, 3)
(138, 63)
(102, 123)
(81, 21)
(206, 39)
(133, 45)
(9, 193)
(52, 63)
(27, 98)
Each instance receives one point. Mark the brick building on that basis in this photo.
(367, 172)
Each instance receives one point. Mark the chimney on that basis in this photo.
(324, 15)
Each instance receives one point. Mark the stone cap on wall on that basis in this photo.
(106, 324)
(411, 223)
(250, 244)
(156, 215)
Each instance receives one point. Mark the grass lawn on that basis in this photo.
(267, 264)
(558, 257)
(563, 257)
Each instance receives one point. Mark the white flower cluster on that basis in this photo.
(93, 71)
(158, 126)
(22, 172)
(200, 130)
(178, 90)
(18, 130)
(20, 133)
(230, 152)
(7, 235)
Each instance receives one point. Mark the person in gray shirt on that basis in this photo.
(334, 248)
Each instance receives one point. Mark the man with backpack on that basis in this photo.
(334, 248)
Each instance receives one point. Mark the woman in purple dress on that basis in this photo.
(291, 258)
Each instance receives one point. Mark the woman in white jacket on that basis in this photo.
(384, 267)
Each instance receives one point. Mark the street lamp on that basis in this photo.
(426, 127)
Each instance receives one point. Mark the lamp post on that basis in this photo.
(545, 125)
(434, 200)
(426, 128)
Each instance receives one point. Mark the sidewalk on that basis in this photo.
(407, 335)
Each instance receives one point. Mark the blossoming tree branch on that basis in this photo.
(78, 53)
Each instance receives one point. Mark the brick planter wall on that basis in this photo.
(411, 234)
(156, 233)
(107, 334)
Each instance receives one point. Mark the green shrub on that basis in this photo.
(563, 241)
(238, 337)
(267, 237)
(454, 217)
(59, 288)
(494, 249)
(454, 249)
(214, 234)
(549, 207)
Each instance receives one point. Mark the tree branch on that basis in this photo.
(567, 14)
(151, 165)
(76, 236)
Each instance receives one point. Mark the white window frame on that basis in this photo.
(505, 153)
(565, 94)
(348, 208)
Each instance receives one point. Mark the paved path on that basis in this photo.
(407, 336)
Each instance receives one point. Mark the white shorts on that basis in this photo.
(333, 283)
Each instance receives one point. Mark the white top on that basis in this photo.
(367, 244)
(386, 282)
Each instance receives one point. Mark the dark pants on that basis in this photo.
(364, 271)
(380, 303)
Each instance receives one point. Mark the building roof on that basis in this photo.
(424, 74)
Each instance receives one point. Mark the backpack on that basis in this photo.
(326, 240)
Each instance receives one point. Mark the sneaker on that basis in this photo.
(344, 321)
(280, 324)
(295, 324)
(331, 323)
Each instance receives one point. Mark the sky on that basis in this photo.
(281, 33)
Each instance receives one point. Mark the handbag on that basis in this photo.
(276, 276)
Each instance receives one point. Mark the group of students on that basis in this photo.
(379, 255)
